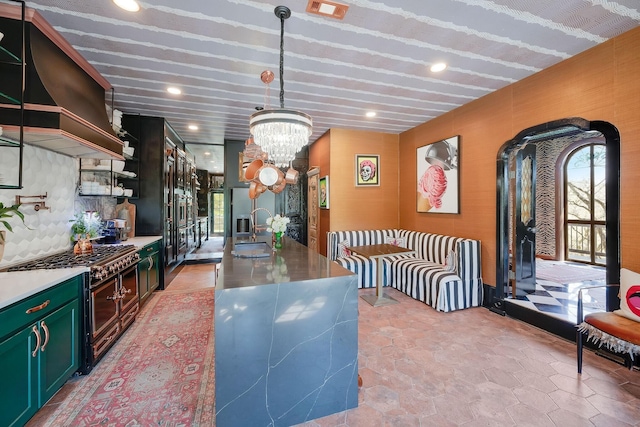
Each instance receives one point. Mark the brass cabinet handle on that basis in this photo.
(46, 335)
(150, 263)
(38, 307)
(35, 331)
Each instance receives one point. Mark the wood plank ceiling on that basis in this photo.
(377, 58)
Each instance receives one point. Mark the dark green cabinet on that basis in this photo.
(39, 349)
(149, 270)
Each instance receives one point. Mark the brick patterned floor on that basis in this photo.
(465, 368)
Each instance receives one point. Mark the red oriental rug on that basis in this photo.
(160, 372)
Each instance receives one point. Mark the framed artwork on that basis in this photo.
(367, 170)
(323, 193)
(438, 177)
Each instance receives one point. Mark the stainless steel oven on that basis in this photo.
(113, 305)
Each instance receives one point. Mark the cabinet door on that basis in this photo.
(59, 352)
(18, 382)
(154, 271)
(143, 279)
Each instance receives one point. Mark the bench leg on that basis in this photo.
(579, 349)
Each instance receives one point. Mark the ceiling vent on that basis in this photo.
(327, 8)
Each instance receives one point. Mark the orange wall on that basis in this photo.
(351, 207)
(599, 84)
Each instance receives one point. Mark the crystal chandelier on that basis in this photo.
(280, 132)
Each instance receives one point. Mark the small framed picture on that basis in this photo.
(367, 170)
(323, 193)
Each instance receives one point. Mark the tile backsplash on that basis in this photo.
(46, 231)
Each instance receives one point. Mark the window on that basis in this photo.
(585, 205)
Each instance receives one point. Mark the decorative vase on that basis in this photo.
(278, 243)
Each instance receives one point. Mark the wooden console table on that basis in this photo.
(378, 252)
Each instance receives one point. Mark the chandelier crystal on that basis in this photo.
(281, 133)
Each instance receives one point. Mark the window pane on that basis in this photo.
(579, 185)
(579, 242)
(599, 181)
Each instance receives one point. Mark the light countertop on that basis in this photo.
(141, 241)
(18, 285)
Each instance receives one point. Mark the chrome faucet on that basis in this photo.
(254, 226)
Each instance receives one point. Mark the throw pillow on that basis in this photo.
(343, 249)
(629, 295)
(450, 264)
(396, 241)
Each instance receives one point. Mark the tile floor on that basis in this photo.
(561, 300)
(465, 368)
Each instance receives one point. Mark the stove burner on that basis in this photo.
(99, 261)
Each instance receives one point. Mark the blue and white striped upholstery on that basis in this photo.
(422, 275)
(365, 268)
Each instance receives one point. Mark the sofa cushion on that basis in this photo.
(629, 295)
(450, 265)
(343, 249)
(396, 241)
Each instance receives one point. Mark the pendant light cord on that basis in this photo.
(282, 60)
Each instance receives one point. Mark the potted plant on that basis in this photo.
(5, 213)
(85, 225)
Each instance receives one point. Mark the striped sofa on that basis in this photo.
(425, 275)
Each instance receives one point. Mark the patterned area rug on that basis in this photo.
(562, 272)
(160, 373)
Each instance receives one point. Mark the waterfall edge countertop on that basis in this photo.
(18, 285)
(294, 262)
(286, 339)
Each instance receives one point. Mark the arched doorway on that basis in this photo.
(507, 254)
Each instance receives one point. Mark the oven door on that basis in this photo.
(104, 307)
(129, 292)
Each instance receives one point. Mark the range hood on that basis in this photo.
(64, 97)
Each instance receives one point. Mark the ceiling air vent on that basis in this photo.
(327, 8)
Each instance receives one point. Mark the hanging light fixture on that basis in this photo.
(280, 132)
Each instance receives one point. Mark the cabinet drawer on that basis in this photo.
(150, 249)
(37, 306)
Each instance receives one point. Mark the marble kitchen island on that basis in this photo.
(286, 337)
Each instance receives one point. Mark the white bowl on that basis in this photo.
(128, 151)
(118, 165)
(128, 192)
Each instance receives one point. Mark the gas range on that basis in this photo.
(105, 260)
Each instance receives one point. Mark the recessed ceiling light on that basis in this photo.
(128, 5)
(206, 153)
(174, 90)
(193, 127)
(371, 114)
(438, 66)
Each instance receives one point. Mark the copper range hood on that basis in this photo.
(64, 96)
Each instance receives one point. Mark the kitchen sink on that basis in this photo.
(251, 250)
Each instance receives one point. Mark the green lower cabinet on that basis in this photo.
(148, 271)
(39, 357)
(19, 379)
(59, 358)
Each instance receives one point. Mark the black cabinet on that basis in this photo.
(165, 183)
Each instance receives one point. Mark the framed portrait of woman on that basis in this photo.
(367, 170)
(323, 193)
(438, 177)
